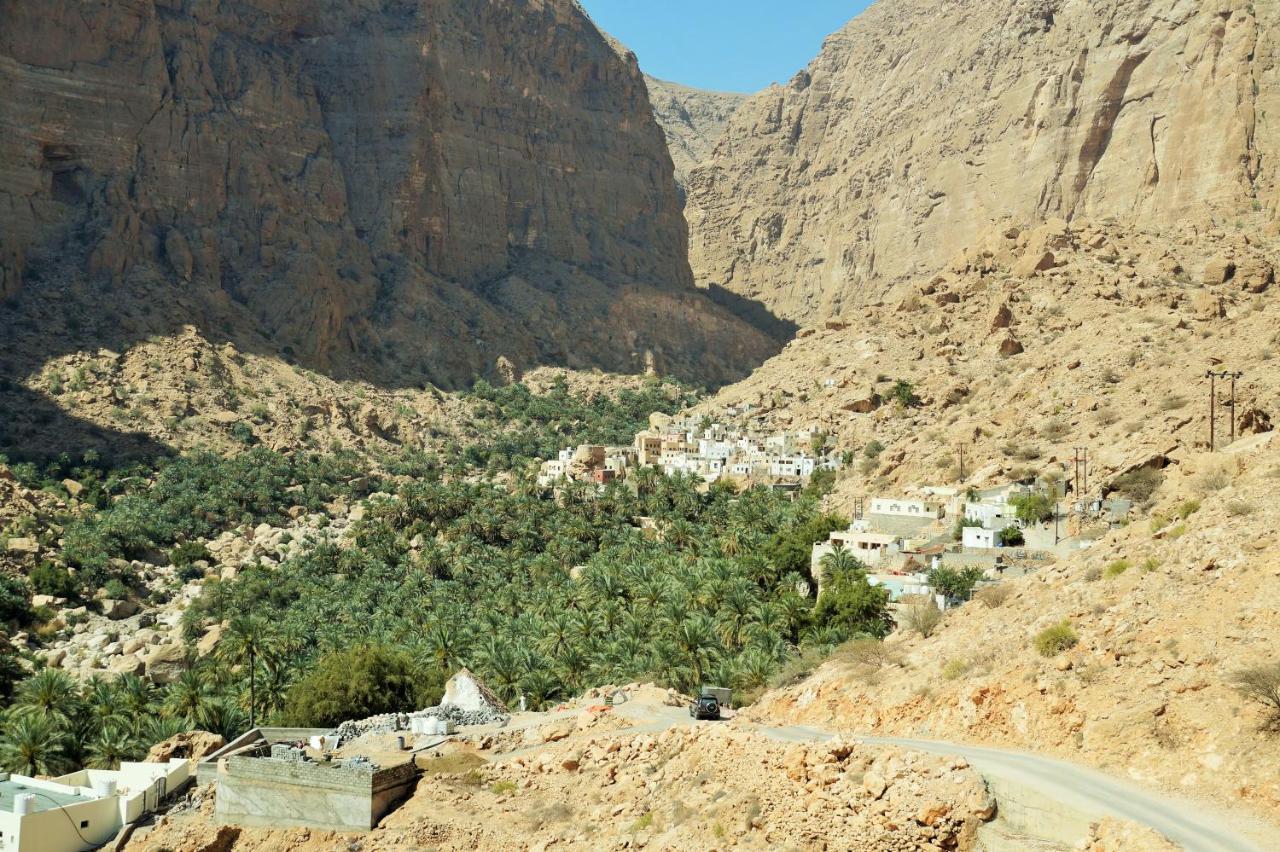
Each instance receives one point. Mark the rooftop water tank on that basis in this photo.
(23, 804)
(104, 788)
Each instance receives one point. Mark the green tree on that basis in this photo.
(244, 641)
(113, 744)
(49, 693)
(359, 682)
(853, 606)
(34, 744)
(1010, 537)
(1034, 508)
(955, 584)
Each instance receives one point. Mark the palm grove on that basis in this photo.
(542, 595)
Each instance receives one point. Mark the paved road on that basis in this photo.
(1075, 787)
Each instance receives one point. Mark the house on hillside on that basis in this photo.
(82, 810)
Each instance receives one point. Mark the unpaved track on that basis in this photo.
(1185, 823)
(1193, 825)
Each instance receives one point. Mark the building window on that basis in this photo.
(84, 823)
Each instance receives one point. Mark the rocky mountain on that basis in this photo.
(923, 121)
(692, 119)
(1035, 341)
(407, 191)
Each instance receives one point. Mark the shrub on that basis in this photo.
(1173, 402)
(922, 618)
(1262, 684)
(1239, 508)
(1056, 639)
(954, 669)
(992, 596)
(50, 579)
(360, 682)
(1211, 480)
(904, 394)
(1140, 484)
(1055, 429)
(499, 788)
(188, 552)
(1115, 569)
(866, 653)
(15, 601)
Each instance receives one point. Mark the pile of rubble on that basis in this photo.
(467, 702)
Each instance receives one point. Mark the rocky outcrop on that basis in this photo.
(923, 121)
(409, 190)
(692, 120)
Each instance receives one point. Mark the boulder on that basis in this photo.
(165, 664)
(128, 664)
(25, 546)
(209, 641)
(116, 610)
(1207, 306)
(193, 745)
(1219, 270)
(1010, 347)
(467, 692)
(1033, 262)
(75, 489)
(1003, 317)
(1255, 275)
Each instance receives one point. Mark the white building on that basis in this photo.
(82, 810)
(978, 537)
(904, 508)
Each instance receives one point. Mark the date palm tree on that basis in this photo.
(113, 744)
(34, 744)
(50, 693)
(244, 641)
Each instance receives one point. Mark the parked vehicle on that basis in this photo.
(706, 707)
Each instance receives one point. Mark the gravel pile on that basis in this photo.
(464, 718)
(388, 723)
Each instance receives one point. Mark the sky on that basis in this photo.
(725, 45)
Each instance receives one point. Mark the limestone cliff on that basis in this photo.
(692, 119)
(407, 189)
(923, 121)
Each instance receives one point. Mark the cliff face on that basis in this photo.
(923, 121)
(692, 119)
(403, 188)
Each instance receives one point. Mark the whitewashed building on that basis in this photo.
(82, 810)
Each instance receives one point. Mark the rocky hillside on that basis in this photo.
(692, 119)
(404, 191)
(1035, 341)
(923, 121)
(1161, 614)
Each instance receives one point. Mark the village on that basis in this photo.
(698, 447)
(980, 535)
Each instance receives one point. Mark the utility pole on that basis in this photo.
(961, 450)
(1213, 404)
(1213, 408)
(1234, 377)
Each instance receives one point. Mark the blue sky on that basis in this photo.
(727, 45)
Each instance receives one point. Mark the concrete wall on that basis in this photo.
(263, 792)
